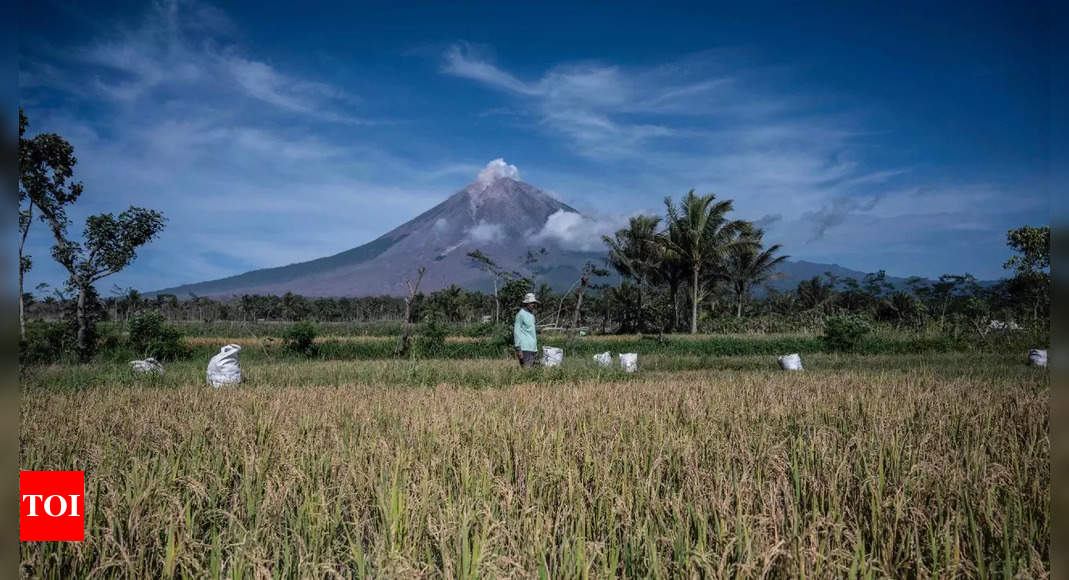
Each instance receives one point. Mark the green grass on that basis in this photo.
(861, 466)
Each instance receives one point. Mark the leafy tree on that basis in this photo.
(300, 338)
(699, 233)
(110, 244)
(1031, 265)
(747, 264)
(151, 336)
(635, 253)
(846, 332)
(1033, 247)
(814, 294)
(46, 170)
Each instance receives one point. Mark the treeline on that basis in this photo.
(643, 302)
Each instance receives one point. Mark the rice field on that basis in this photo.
(862, 466)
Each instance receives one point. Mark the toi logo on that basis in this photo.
(52, 506)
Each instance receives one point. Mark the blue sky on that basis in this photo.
(906, 137)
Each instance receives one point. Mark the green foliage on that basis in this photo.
(45, 342)
(846, 332)
(1032, 245)
(483, 329)
(300, 338)
(431, 340)
(151, 336)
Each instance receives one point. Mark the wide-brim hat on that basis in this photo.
(529, 298)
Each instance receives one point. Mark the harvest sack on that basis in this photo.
(603, 359)
(1037, 357)
(148, 365)
(629, 361)
(791, 362)
(223, 368)
(552, 356)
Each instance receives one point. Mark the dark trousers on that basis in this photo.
(528, 358)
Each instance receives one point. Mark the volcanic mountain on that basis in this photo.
(497, 215)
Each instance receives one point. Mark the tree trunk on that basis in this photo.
(22, 274)
(497, 303)
(579, 302)
(83, 326)
(694, 303)
(673, 289)
(741, 300)
(639, 326)
(22, 306)
(412, 290)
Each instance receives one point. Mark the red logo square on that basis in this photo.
(52, 506)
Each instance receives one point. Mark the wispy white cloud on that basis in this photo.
(182, 45)
(803, 165)
(257, 184)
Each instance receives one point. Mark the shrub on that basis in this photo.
(45, 342)
(300, 338)
(845, 333)
(151, 336)
(482, 329)
(431, 341)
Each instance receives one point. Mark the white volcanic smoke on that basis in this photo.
(497, 169)
(573, 231)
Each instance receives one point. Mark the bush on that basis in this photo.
(300, 338)
(845, 333)
(45, 342)
(431, 341)
(151, 336)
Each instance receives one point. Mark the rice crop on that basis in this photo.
(861, 466)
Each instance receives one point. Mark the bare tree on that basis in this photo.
(413, 289)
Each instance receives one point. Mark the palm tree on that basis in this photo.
(635, 253)
(746, 265)
(814, 293)
(699, 234)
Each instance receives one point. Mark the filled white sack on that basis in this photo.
(148, 365)
(629, 361)
(552, 356)
(603, 359)
(1037, 357)
(791, 362)
(223, 369)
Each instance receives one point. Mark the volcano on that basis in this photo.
(497, 215)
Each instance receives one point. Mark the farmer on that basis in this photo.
(523, 332)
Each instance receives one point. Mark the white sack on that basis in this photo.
(552, 356)
(791, 362)
(603, 359)
(223, 368)
(148, 365)
(1037, 357)
(629, 361)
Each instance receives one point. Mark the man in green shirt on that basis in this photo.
(523, 332)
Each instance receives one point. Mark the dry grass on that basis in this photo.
(892, 471)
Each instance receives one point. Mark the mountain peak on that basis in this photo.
(497, 213)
